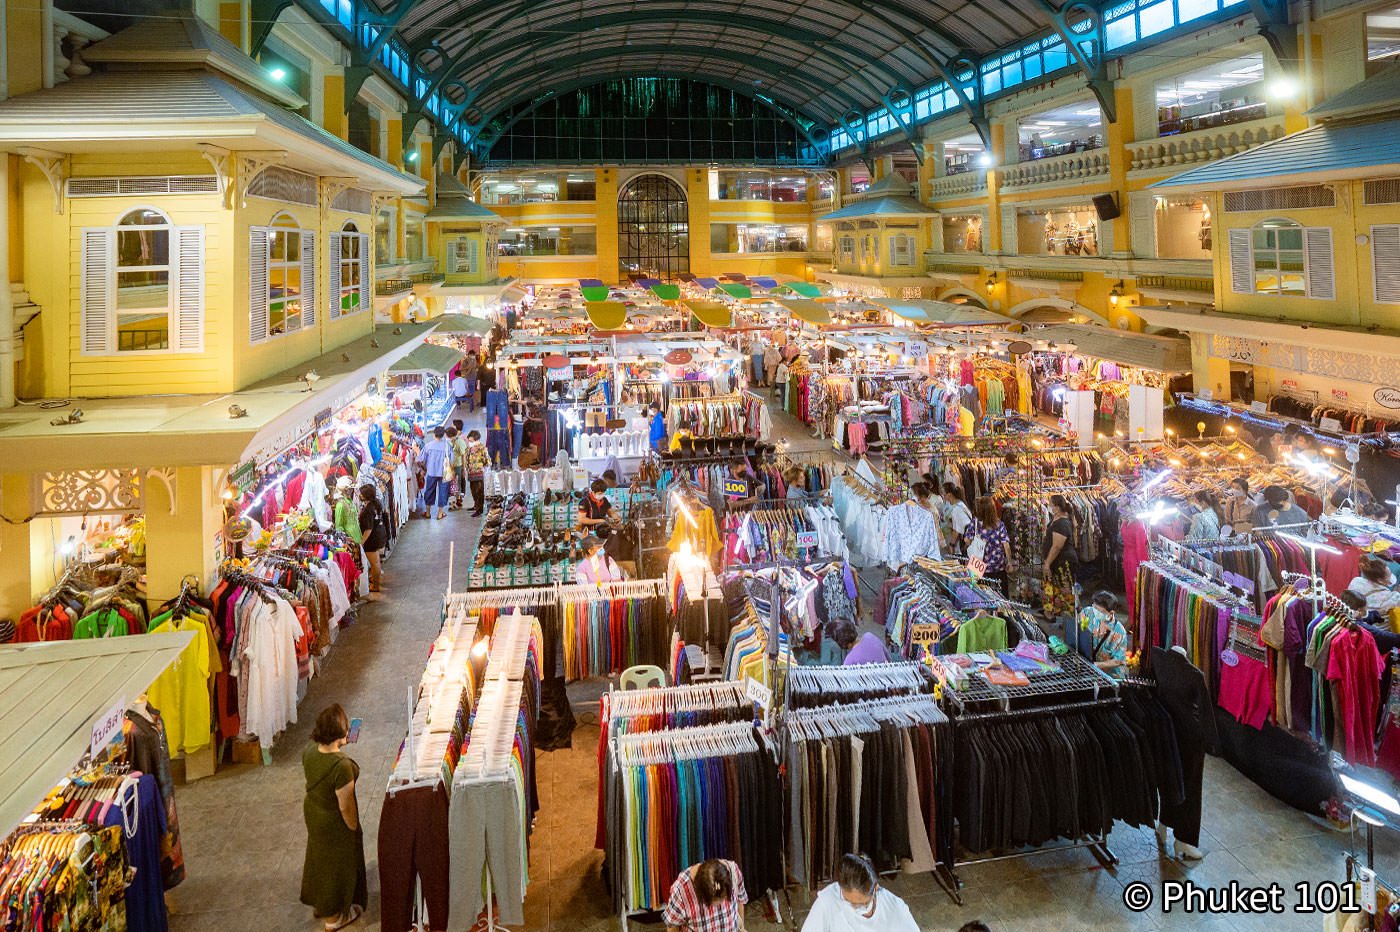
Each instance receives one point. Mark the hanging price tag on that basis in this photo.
(760, 694)
(806, 539)
(1243, 583)
(977, 566)
(106, 727)
(736, 488)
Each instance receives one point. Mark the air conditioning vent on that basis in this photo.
(283, 184)
(1384, 191)
(133, 187)
(1299, 197)
(353, 200)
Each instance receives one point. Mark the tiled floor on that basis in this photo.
(244, 838)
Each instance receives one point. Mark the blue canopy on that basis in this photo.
(710, 284)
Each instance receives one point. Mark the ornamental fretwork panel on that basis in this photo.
(90, 491)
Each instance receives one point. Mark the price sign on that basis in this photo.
(1243, 583)
(758, 693)
(806, 538)
(1259, 407)
(1340, 394)
(107, 727)
(736, 488)
(1290, 383)
(1330, 423)
(977, 566)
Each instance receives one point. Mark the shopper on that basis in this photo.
(1103, 634)
(333, 875)
(795, 478)
(347, 518)
(957, 517)
(855, 902)
(595, 566)
(1278, 509)
(771, 358)
(1060, 557)
(470, 367)
(435, 457)
(476, 470)
(1206, 516)
(862, 648)
(1376, 585)
(374, 529)
(975, 925)
(459, 391)
(595, 511)
(657, 437)
(707, 897)
(1239, 507)
(991, 543)
(457, 441)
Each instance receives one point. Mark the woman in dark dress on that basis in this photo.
(333, 876)
(1058, 567)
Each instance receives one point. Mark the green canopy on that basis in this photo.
(461, 323)
(804, 289)
(736, 291)
(595, 293)
(429, 357)
(667, 292)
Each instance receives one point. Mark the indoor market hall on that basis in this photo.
(703, 466)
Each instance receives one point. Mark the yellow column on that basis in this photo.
(333, 105)
(394, 128)
(992, 235)
(231, 23)
(16, 503)
(1120, 134)
(606, 200)
(189, 541)
(697, 193)
(926, 170)
(23, 51)
(1207, 371)
(884, 167)
(426, 168)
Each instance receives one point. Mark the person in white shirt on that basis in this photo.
(855, 903)
(957, 515)
(459, 389)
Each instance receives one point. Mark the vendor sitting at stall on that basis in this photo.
(595, 511)
(595, 566)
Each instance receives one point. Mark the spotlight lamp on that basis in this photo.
(991, 282)
(1116, 293)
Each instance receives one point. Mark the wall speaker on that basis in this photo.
(1106, 205)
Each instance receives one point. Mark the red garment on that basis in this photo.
(294, 489)
(1339, 569)
(59, 625)
(1135, 552)
(27, 628)
(1246, 691)
(1354, 665)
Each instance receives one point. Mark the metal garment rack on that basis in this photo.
(1078, 686)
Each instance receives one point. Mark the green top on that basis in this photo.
(984, 633)
(347, 519)
(104, 623)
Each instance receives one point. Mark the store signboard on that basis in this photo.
(1290, 383)
(1388, 398)
(1340, 394)
(107, 727)
(322, 418)
(243, 476)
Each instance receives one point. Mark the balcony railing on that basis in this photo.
(402, 267)
(964, 184)
(391, 286)
(428, 278)
(952, 268)
(1046, 275)
(1176, 283)
(1060, 169)
(1168, 154)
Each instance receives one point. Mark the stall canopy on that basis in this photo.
(595, 292)
(1164, 354)
(940, 313)
(462, 323)
(709, 284)
(590, 283)
(53, 693)
(430, 357)
(736, 290)
(803, 289)
(807, 309)
(666, 292)
(711, 313)
(765, 282)
(514, 294)
(607, 315)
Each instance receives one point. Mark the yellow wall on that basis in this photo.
(183, 542)
(606, 208)
(23, 48)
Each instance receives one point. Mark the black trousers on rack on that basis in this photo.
(1184, 818)
(413, 844)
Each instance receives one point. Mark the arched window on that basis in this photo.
(143, 281)
(351, 271)
(1282, 257)
(281, 278)
(142, 287)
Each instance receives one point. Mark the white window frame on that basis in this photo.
(902, 250)
(1318, 254)
(847, 245)
(350, 240)
(285, 264)
(100, 314)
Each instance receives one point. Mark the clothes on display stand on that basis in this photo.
(613, 626)
(785, 530)
(722, 416)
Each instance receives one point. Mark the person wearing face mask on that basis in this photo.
(595, 511)
(1206, 516)
(855, 902)
(1376, 585)
(1238, 506)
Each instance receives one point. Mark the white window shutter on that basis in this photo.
(308, 278)
(333, 275)
(257, 284)
(366, 286)
(1317, 248)
(189, 290)
(1142, 223)
(97, 288)
(1385, 262)
(1241, 262)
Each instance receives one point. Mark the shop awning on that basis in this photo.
(766, 282)
(590, 283)
(595, 292)
(709, 284)
(807, 309)
(647, 282)
(666, 292)
(514, 295)
(1163, 354)
(735, 290)
(52, 694)
(711, 313)
(804, 289)
(462, 323)
(607, 315)
(940, 313)
(430, 357)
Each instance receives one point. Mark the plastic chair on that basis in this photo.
(643, 676)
